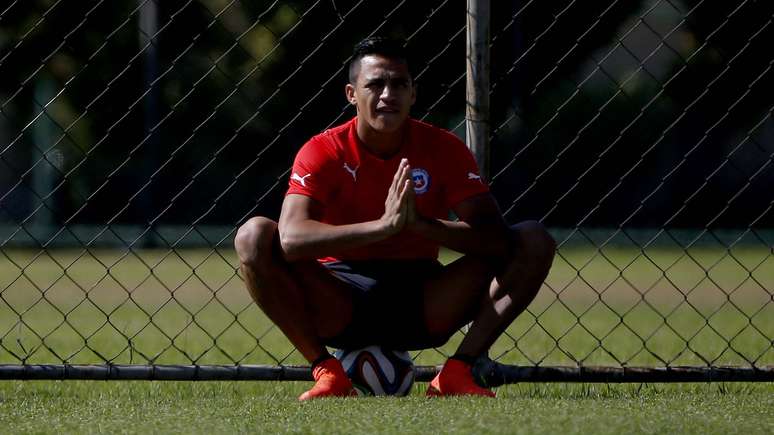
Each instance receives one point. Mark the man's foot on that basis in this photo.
(456, 379)
(330, 381)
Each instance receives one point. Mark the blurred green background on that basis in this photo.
(643, 113)
(613, 307)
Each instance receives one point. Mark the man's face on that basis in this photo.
(383, 93)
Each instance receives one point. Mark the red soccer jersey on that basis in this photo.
(336, 169)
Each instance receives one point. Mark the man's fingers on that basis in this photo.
(397, 197)
(411, 191)
(407, 173)
(407, 185)
(396, 206)
(399, 174)
(395, 187)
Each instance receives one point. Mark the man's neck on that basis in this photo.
(382, 145)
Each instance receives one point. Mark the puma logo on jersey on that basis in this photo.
(472, 176)
(300, 179)
(353, 172)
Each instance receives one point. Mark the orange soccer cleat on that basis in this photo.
(330, 381)
(456, 379)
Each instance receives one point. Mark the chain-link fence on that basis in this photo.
(136, 136)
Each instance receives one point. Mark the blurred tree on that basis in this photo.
(197, 120)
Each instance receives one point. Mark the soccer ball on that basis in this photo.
(376, 371)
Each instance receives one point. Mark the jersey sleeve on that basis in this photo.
(312, 173)
(463, 179)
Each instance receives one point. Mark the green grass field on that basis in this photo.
(263, 407)
(619, 306)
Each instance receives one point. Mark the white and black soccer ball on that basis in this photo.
(376, 371)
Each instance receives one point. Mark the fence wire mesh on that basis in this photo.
(136, 136)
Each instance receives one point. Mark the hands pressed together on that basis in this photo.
(400, 207)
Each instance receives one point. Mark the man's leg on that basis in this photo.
(513, 288)
(301, 298)
(489, 292)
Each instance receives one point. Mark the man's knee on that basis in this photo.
(533, 253)
(533, 243)
(253, 241)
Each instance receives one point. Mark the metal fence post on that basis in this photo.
(477, 92)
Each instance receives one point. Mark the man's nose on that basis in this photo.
(388, 92)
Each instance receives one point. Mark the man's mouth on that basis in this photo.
(387, 110)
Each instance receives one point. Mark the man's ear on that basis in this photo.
(349, 91)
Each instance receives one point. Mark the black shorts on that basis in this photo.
(387, 303)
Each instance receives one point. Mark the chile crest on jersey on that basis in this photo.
(421, 180)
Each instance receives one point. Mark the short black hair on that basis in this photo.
(387, 47)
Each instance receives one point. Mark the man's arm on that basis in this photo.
(481, 229)
(302, 235)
